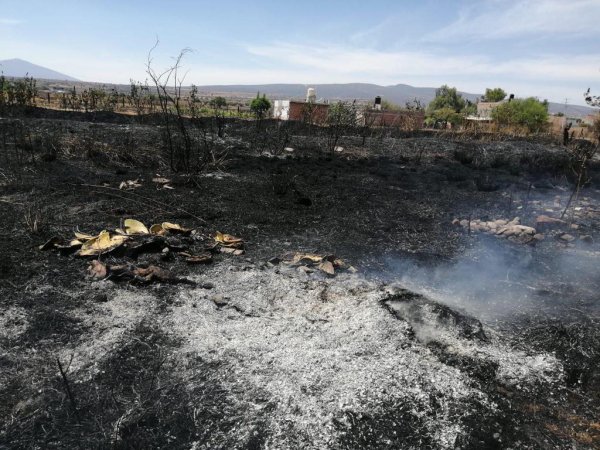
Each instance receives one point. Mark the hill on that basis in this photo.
(20, 68)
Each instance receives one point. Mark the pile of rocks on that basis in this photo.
(502, 228)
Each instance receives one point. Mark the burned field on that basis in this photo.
(408, 292)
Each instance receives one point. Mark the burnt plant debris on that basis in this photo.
(482, 343)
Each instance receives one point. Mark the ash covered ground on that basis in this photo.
(447, 336)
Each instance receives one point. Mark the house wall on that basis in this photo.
(314, 113)
(405, 120)
(484, 109)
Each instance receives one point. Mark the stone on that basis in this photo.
(587, 239)
(220, 300)
(546, 222)
(567, 237)
(274, 261)
(524, 229)
(501, 229)
(539, 236)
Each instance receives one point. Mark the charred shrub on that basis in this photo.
(48, 145)
(486, 184)
(464, 156)
(537, 162)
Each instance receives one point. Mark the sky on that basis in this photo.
(549, 49)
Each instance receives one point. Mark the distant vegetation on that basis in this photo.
(448, 107)
(21, 92)
(529, 113)
(260, 106)
(494, 95)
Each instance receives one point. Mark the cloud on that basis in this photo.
(397, 64)
(520, 18)
(545, 76)
(8, 22)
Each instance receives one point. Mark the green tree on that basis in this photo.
(259, 106)
(447, 97)
(218, 103)
(448, 106)
(470, 108)
(494, 95)
(444, 116)
(529, 112)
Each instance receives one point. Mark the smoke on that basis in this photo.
(497, 281)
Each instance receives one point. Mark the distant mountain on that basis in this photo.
(20, 68)
(399, 93)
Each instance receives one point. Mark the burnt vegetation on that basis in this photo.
(370, 193)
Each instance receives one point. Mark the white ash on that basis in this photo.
(13, 322)
(107, 325)
(318, 347)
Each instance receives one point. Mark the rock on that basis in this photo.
(305, 269)
(567, 237)
(574, 226)
(545, 222)
(207, 285)
(274, 261)
(475, 226)
(220, 300)
(515, 221)
(524, 229)
(516, 232)
(338, 149)
(464, 223)
(288, 149)
(587, 239)
(456, 222)
(539, 236)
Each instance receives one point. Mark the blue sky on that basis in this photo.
(544, 48)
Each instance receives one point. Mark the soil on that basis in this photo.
(445, 337)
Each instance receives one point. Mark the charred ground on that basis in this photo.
(133, 378)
